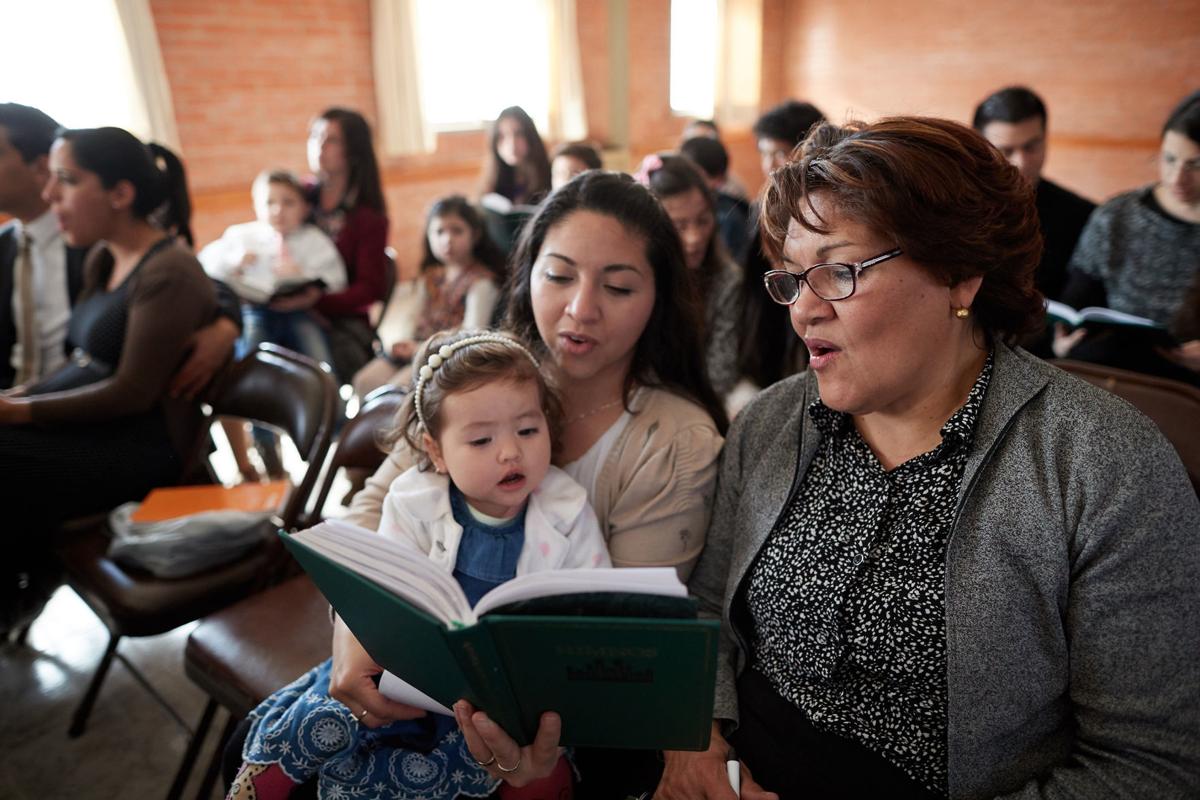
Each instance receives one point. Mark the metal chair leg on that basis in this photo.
(193, 750)
(84, 710)
(214, 765)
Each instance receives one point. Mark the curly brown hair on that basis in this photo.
(468, 368)
(934, 188)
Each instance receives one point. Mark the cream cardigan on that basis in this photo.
(653, 494)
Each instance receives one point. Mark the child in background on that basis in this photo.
(485, 504)
(458, 287)
(276, 254)
(272, 257)
(570, 159)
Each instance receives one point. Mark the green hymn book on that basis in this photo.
(618, 653)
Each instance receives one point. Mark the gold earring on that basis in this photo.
(962, 313)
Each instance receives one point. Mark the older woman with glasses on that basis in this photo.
(944, 568)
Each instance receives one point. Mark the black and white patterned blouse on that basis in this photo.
(847, 594)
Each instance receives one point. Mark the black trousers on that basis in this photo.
(786, 754)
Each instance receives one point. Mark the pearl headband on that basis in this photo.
(443, 354)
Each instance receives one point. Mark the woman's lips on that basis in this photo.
(821, 353)
(576, 344)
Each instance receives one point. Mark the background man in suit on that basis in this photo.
(57, 275)
(1014, 121)
(57, 270)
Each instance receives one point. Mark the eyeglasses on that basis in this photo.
(834, 281)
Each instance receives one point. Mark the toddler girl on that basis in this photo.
(458, 287)
(486, 505)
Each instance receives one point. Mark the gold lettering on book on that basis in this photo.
(614, 671)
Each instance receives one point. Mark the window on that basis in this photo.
(72, 63)
(477, 57)
(694, 41)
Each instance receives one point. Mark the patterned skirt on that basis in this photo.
(312, 736)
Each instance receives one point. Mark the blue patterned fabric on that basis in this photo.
(312, 736)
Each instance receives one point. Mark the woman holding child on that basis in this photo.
(600, 292)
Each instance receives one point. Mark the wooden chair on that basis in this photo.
(273, 386)
(243, 653)
(1174, 406)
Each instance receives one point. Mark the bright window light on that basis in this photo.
(477, 57)
(693, 57)
(69, 58)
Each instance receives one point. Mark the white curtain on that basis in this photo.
(402, 128)
(567, 115)
(156, 110)
(739, 61)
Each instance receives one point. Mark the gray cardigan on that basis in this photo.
(1072, 585)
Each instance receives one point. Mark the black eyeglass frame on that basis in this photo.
(801, 278)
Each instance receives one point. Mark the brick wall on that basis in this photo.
(1109, 70)
(248, 75)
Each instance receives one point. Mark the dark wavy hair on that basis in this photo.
(486, 251)
(1011, 104)
(363, 184)
(669, 353)
(1185, 118)
(935, 189)
(531, 176)
(30, 130)
(679, 175)
(155, 173)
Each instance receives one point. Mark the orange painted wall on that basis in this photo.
(1109, 70)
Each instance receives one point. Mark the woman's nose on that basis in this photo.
(583, 303)
(808, 308)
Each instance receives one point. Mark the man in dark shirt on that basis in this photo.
(1014, 120)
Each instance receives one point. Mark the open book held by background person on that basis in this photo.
(619, 654)
(1096, 318)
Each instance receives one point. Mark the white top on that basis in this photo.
(586, 468)
(314, 253)
(561, 530)
(50, 292)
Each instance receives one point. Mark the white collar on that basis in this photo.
(43, 228)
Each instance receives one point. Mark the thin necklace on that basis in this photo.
(595, 410)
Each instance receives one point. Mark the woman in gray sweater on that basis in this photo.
(944, 568)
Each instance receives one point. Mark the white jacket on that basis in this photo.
(314, 253)
(561, 530)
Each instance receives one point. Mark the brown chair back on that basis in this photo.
(1174, 406)
(360, 444)
(293, 393)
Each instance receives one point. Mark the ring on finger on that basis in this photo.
(362, 716)
(511, 769)
(487, 763)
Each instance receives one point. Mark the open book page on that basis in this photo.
(663, 581)
(400, 690)
(405, 571)
(1075, 318)
(395, 565)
